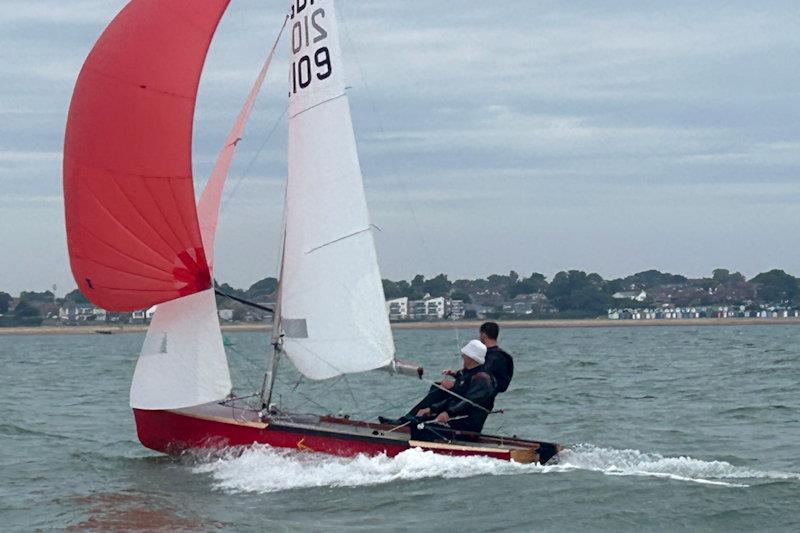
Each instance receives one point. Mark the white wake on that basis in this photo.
(264, 469)
(636, 463)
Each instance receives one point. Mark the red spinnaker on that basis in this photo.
(132, 229)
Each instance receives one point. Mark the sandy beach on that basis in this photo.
(463, 324)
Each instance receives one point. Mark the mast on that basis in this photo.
(269, 377)
(277, 349)
(277, 338)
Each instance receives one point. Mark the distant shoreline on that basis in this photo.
(462, 324)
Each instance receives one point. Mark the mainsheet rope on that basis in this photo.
(448, 391)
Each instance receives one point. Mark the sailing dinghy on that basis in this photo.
(137, 238)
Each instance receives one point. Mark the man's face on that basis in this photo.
(482, 337)
(468, 362)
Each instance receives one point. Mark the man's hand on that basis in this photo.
(424, 412)
(449, 372)
(447, 384)
(443, 418)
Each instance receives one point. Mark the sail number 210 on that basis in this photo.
(308, 30)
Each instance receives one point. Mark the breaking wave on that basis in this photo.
(635, 463)
(263, 469)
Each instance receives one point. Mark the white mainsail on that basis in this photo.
(332, 310)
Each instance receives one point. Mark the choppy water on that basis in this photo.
(669, 429)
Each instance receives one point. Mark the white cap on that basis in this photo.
(475, 350)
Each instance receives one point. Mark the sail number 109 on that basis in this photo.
(306, 31)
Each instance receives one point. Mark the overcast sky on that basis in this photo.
(609, 136)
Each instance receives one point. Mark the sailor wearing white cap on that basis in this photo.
(474, 350)
(465, 405)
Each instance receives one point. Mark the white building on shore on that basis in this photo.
(81, 313)
(434, 309)
(457, 311)
(428, 308)
(397, 308)
(638, 296)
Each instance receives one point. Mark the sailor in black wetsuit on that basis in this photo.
(498, 363)
(469, 400)
(473, 394)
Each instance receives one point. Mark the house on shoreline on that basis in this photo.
(700, 312)
(429, 308)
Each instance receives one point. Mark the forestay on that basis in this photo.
(208, 206)
(331, 298)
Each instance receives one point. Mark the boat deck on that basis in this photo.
(391, 439)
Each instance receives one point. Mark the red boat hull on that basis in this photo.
(173, 432)
(170, 432)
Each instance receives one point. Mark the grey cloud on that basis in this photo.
(609, 136)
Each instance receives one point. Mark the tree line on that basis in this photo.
(578, 293)
(570, 292)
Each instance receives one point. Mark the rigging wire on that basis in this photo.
(248, 376)
(379, 120)
(238, 181)
(403, 185)
(350, 389)
(309, 399)
(242, 300)
(272, 130)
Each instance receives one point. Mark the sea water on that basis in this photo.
(668, 428)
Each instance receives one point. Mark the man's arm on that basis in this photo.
(480, 389)
(439, 407)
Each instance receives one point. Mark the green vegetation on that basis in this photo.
(24, 314)
(579, 294)
(76, 296)
(570, 294)
(777, 286)
(32, 296)
(5, 302)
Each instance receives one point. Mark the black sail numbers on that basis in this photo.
(312, 57)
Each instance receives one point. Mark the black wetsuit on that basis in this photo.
(474, 384)
(501, 367)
